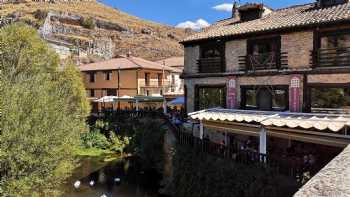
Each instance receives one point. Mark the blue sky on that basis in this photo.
(173, 12)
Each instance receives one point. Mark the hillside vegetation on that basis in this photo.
(143, 38)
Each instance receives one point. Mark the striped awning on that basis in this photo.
(332, 122)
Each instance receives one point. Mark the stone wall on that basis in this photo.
(298, 47)
(332, 180)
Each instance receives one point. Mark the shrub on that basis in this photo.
(40, 14)
(88, 23)
(94, 139)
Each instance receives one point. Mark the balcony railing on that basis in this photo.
(211, 65)
(263, 61)
(331, 57)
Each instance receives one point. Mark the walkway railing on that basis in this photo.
(283, 165)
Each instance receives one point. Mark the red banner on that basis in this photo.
(295, 97)
(231, 93)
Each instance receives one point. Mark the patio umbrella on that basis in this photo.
(177, 101)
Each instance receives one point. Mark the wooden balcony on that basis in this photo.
(263, 61)
(331, 57)
(211, 65)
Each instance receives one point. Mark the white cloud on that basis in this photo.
(226, 7)
(196, 25)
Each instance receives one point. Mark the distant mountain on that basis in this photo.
(92, 31)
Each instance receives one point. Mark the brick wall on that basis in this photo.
(298, 46)
(329, 78)
(234, 49)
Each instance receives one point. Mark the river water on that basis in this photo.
(98, 178)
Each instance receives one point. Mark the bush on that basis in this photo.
(88, 23)
(40, 14)
(147, 143)
(94, 139)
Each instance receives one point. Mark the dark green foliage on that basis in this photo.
(94, 139)
(88, 23)
(147, 144)
(200, 175)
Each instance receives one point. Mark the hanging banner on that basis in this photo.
(231, 93)
(295, 94)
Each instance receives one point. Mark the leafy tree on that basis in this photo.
(147, 143)
(43, 109)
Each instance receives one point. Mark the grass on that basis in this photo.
(92, 152)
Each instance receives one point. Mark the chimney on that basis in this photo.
(235, 13)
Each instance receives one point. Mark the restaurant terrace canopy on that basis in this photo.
(326, 129)
(136, 99)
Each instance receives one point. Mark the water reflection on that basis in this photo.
(117, 179)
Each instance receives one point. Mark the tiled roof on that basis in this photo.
(291, 17)
(124, 63)
(175, 62)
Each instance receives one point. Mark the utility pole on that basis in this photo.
(118, 93)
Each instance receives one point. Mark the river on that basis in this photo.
(95, 178)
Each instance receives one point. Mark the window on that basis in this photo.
(92, 93)
(147, 79)
(108, 75)
(334, 41)
(111, 92)
(92, 77)
(334, 49)
(172, 79)
(330, 98)
(326, 3)
(210, 97)
(160, 79)
(212, 58)
(274, 98)
(263, 53)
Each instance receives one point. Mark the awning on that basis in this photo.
(332, 122)
(177, 101)
(106, 99)
(111, 99)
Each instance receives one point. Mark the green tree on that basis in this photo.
(43, 109)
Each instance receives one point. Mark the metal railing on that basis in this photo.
(263, 61)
